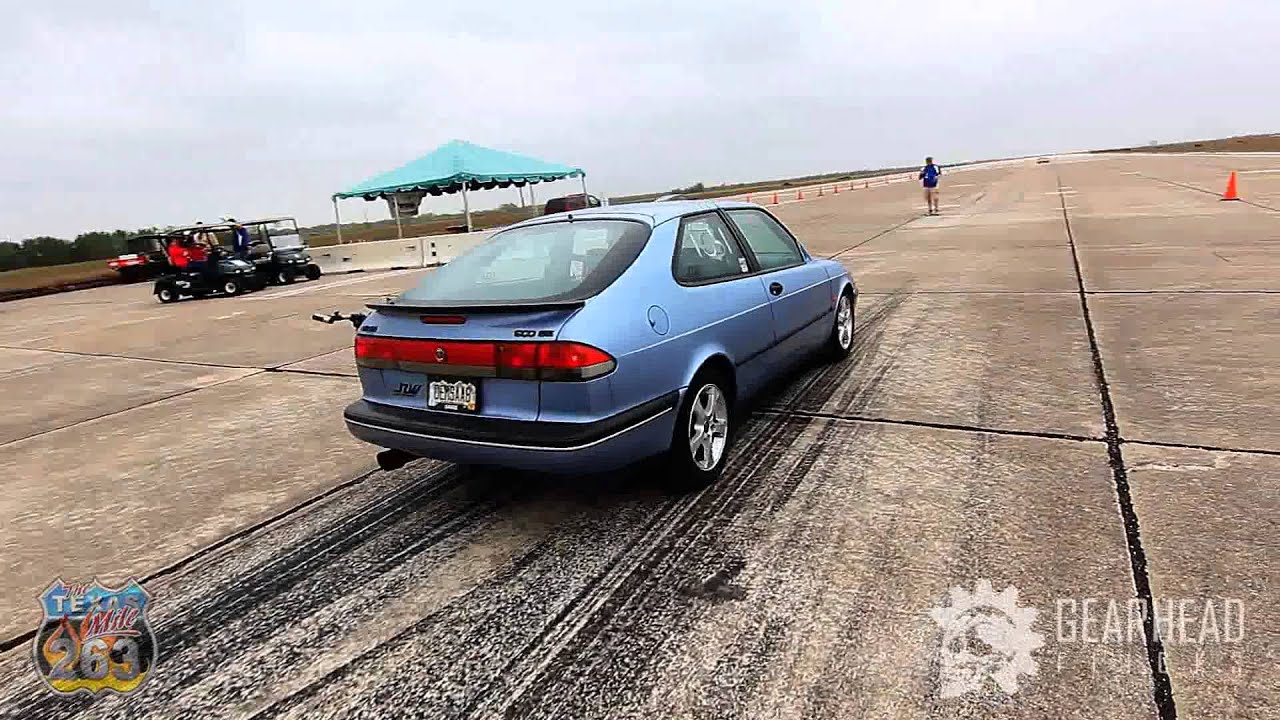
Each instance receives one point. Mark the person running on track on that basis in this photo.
(929, 176)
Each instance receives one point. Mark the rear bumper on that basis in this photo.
(606, 444)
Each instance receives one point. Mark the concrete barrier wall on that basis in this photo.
(394, 254)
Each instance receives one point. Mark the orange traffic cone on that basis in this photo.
(866, 185)
(748, 198)
(775, 199)
(1231, 193)
(799, 194)
(819, 191)
(835, 189)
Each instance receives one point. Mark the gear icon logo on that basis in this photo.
(985, 635)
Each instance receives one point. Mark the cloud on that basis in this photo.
(128, 114)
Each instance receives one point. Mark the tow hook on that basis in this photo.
(394, 459)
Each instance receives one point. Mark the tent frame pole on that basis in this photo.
(584, 186)
(395, 211)
(337, 219)
(466, 205)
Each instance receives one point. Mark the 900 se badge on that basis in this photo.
(94, 639)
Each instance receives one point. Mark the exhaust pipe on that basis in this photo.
(394, 459)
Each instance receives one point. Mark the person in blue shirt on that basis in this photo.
(241, 241)
(929, 176)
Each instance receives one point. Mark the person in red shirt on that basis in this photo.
(197, 257)
(178, 254)
(196, 253)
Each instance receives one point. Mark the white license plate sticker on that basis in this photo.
(452, 395)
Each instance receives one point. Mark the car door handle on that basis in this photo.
(775, 288)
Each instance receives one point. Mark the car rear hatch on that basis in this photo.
(485, 361)
(481, 335)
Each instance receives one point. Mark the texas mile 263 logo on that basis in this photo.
(94, 639)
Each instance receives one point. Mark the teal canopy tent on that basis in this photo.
(456, 166)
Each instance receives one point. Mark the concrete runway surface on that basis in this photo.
(1065, 383)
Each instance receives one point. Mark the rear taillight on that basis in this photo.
(375, 351)
(568, 355)
(549, 361)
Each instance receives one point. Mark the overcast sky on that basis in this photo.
(119, 114)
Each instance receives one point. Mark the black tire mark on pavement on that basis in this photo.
(867, 336)
(620, 639)
(742, 667)
(835, 684)
(352, 665)
(720, 553)
(470, 655)
(866, 388)
(226, 541)
(342, 577)
(1162, 686)
(258, 587)
(866, 376)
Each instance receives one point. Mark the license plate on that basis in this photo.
(460, 395)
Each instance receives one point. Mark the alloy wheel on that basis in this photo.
(708, 427)
(844, 322)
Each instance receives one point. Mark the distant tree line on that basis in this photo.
(691, 190)
(44, 250)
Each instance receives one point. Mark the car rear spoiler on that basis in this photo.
(475, 308)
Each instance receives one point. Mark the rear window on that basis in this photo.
(537, 263)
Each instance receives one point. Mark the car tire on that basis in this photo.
(231, 287)
(285, 277)
(698, 453)
(840, 342)
(167, 295)
(313, 272)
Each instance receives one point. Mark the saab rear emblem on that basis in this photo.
(94, 639)
(440, 356)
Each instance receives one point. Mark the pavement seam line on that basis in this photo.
(886, 231)
(1209, 448)
(790, 412)
(178, 394)
(182, 562)
(1207, 191)
(278, 368)
(1161, 684)
(195, 363)
(881, 233)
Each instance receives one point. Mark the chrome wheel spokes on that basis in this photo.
(708, 427)
(844, 322)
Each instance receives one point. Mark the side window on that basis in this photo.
(705, 250)
(768, 240)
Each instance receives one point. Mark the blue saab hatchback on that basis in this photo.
(585, 341)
